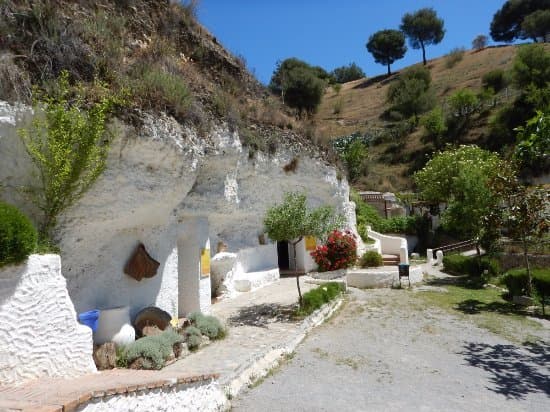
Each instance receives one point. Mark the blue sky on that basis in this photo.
(333, 33)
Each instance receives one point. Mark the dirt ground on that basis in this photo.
(389, 350)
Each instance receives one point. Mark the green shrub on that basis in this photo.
(193, 336)
(208, 325)
(494, 79)
(371, 259)
(18, 236)
(541, 284)
(516, 282)
(398, 224)
(159, 89)
(154, 349)
(317, 297)
(472, 266)
(454, 56)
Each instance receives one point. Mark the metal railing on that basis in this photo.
(457, 247)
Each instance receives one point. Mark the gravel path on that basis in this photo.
(385, 351)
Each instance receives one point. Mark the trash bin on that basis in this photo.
(89, 319)
(404, 272)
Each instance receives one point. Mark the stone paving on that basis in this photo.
(258, 321)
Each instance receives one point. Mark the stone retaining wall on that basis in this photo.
(512, 260)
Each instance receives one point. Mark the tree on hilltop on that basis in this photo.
(536, 25)
(387, 46)
(423, 28)
(480, 42)
(348, 73)
(507, 22)
(300, 85)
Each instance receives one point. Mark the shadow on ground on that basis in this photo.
(514, 371)
(474, 306)
(264, 314)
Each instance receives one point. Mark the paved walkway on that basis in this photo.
(388, 351)
(257, 321)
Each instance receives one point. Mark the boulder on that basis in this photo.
(105, 356)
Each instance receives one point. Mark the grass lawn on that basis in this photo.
(484, 306)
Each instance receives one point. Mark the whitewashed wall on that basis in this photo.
(155, 178)
(39, 333)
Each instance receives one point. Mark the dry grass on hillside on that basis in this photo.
(362, 102)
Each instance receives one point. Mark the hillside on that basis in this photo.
(154, 52)
(362, 103)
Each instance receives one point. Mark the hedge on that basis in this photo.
(472, 266)
(18, 236)
(516, 282)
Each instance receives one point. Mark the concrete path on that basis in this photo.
(386, 351)
(258, 321)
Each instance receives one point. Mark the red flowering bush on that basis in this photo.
(339, 251)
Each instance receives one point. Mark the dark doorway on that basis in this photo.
(282, 255)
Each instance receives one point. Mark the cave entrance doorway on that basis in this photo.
(285, 258)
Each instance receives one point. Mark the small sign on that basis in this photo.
(205, 262)
(311, 243)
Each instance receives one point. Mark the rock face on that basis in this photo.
(157, 178)
(105, 356)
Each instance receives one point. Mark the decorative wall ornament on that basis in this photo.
(141, 264)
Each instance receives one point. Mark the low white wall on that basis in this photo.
(382, 277)
(39, 333)
(205, 398)
(391, 245)
(259, 258)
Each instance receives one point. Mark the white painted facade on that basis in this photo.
(39, 333)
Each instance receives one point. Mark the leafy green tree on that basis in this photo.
(507, 21)
(537, 25)
(412, 94)
(531, 66)
(459, 177)
(355, 157)
(387, 46)
(480, 42)
(300, 85)
(68, 146)
(291, 221)
(435, 126)
(423, 28)
(522, 211)
(533, 146)
(463, 103)
(347, 73)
